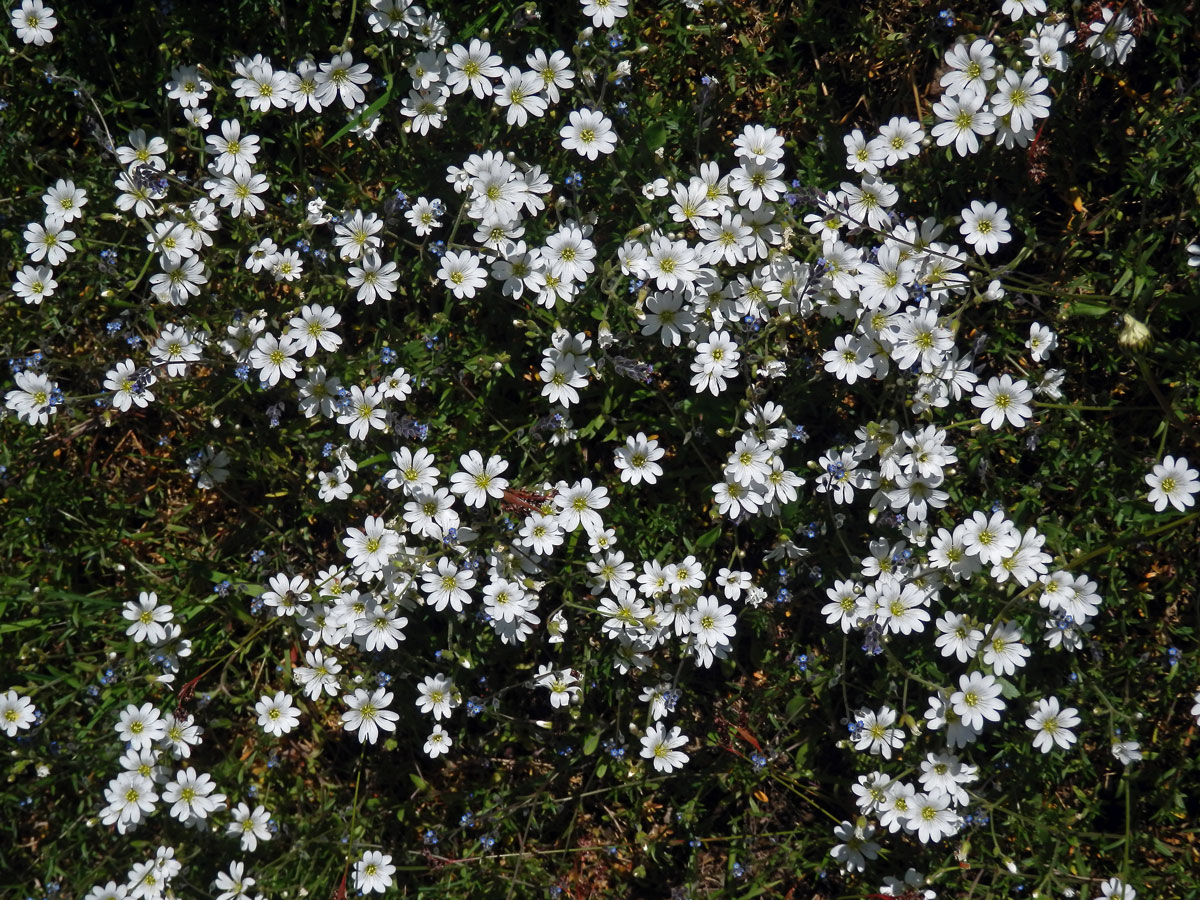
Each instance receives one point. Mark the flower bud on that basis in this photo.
(1134, 334)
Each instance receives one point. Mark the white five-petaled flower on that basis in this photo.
(1173, 481)
(479, 480)
(473, 68)
(1002, 398)
(373, 872)
(340, 78)
(147, 618)
(34, 22)
(589, 133)
(1052, 724)
(370, 547)
(64, 202)
(977, 699)
(661, 747)
(251, 825)
(985, 226)
(16, 712)
(438, 695)
(1021, 98)
(461, 273)
(637, 460)
(368, 714)
(192, 794)
(234, 884)
(438, 742)
(364, 411)
(141, 727)
(277, 715)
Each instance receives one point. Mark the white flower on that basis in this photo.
(448, 585)
(1052, 724)
(341, 77)
(977, 699)
(277, 715)
(364, 411)
(876, 734)
(438, 742)
(16, 712)
(479, 480)
(660, 746)
(1017, 8)
(192, 795)
(985, 226)
(370, 547)
(34, 399)
(605, 12)
(438, 695)
(1002, 398)
(931, 818)
(34, 22)
(1110, 40)
(141, 727)
(579, 504)
(461, 273)
(313, 328)
(554, 71)
(900, 139)
(251, 825)
(711, 622)
(1004, 652)
(273, 357)
(519, 92)
(863, 155)
(971, 68)
(856, 847)
(318, 675)
(957, 636)
(562, 684)
(1114, 888)
(588, 132)
(1127, 751)
(960, 120)
(34, 284)
(130, 796)
(235, 153)
(130, 386)
(637, 459)
(473, 68)
(374, 279)
(187, 86)
(373, 872)
(50, 242)
(64, 202)
(147, 618)
(1042, 341)
(234, 885)
(1173, 481)
(368, 713)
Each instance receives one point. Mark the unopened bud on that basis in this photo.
(1134, 334)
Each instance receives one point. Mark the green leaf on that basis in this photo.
(655, 136)
(591, 743)
(377, 105)
(1083, 308)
